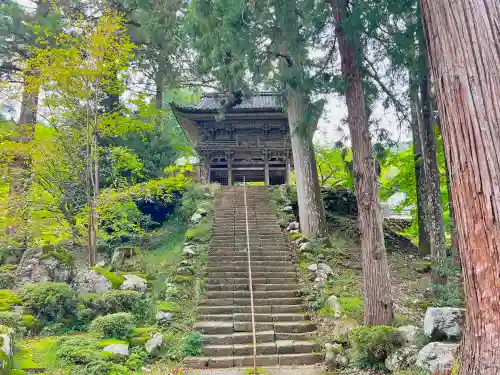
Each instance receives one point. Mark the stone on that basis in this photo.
(437, 356)
(89, 281)
(306, 246)
(300, 241)
(444, 323)
(334, 304)
(38, 267)
(333, 357)
(201, 211)
(402, 358)
(164, 317)
(134, 282)
(294, 225)
(117, 259)
(154, 343)
(189, 251)
(120, 349)
(409, 335)
(326, 268)
(196, 218)
(294, 231)
(288, 209)
(312, 267)
(6, 345)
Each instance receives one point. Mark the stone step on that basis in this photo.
(256, 268)
(255, 263)
(247, 361)
(246, 301)
(245, 287)
(244, 280)
(279, 347)
(264, 309)
(244, 258)
(236, 252)
(256, 275)
(242, 317)
(238, 338)
(218, 327)
(257, 294)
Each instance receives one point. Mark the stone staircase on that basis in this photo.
(285, 335)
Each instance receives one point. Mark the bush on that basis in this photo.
(116, 325)
(169, 306)
(90, 306)
(77, 350)
(115, 280)
(192, 344)
(7, 279)
(372, 344)
(122, 301)
(49, 302)
(8, 299)
(10, 319)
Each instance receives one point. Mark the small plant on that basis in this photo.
(77, 350)
(7, 279)
(60, 253)
(353, 307)
(116, 325)
(115, 279)
(121, 301)
(169, 306)
(372, 344)
(192, 343)
(49, 302)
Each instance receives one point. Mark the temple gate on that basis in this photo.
(250, 140)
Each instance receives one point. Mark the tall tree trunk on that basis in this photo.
(311, 208)
(377, 288)
(431, 171)
(424, 246)
(464, 51)
(159, 83)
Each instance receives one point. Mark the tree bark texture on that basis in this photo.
(464, 51)
(377, 289)
(424, 246)
(434, 215)
(311, 208)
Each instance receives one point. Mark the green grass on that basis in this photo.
(36, 353)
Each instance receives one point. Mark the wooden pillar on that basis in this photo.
(288, 172)
(266, 171)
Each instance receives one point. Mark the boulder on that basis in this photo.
(119, 349)
(154, 343)
(288, 209)
(305, 247)
(402, 358)
(312, 267)
(196, 218)
(334, 304)
(294, 231)
(325, 268)
(299, 241)
(444, 323)
(437, 356)
(117, 259)
(409, 335)
(134, 282)
(38, 265)
(294, 225)
(89, 281)
(189, 251)
(6, 345)
(201, 211)
(164, 317)
(333, 357)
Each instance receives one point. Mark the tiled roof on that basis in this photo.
(259, 100)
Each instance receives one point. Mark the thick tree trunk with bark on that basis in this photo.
(432, 184)
(311, 208)
(424, 245)
(464, 51)
(377, 288)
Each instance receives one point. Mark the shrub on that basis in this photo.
(115, 279)
(116, 325)
(55, 329)
(296, 236)
(77, 350)
(192, 343)
(7, 279)
(122, 301)
(8, 299)
(17, 372)
(90, 306)
(10, 319)
(372, 344)
(49, 302)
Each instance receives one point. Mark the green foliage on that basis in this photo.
(296, 236)
(116, 301)
(49, 302)
(353, 308)
(17, 372)
(10, 319)
(192, 343)
(77, 350)
(332, 170)
(199, 233)
(115, 279)
(169, 306)
(116, 325)
(60, 253)
(7, 279)
(372, 344)
(8, 299)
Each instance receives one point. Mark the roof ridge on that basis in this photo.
(256, 93)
